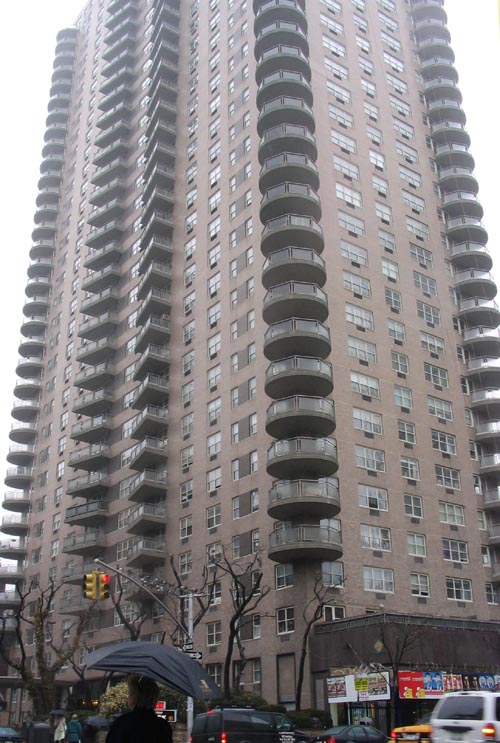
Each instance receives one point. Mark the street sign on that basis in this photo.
(195, 655)
(187, 646)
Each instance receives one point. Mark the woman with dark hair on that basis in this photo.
(141, 723)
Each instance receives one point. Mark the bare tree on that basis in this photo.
(39, 673)
(202, 596)
(132, 623)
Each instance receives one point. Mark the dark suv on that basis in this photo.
(243, 725)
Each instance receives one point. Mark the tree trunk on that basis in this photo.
(302, 663)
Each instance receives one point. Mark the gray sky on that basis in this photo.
(26, 56)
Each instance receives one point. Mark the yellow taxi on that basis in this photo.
(420, 732)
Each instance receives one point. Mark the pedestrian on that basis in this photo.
(141, 723)
(74, 730)
(60, 729)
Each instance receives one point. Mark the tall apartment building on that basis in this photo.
(248, 211)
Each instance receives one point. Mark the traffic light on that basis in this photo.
(90, 585)
(103, 586)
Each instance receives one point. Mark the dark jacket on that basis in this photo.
(73, 731)
(137, 725)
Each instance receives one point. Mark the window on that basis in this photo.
(419, 229)
(365, 420)
(214, 479)
(425, 283)
(370, 459)
(354, 253)
(410, 468)
(380, 185)
(413, 506)
(334, 47)
(362, 350)
(378, 579)
(427, 312)
(444, 442)
(356, 284)
(213, 516)
(455, 551)
(214, 633)
(187, 455)
(214, 345)
(375, 538)
(332, 574)
(186, 491)
(393, 299)
(352, 224)
(185, 562)
(390, 269)
(421, 255)
(383, 212)
(451, 513)
(447, 477)
(186, 527)
(359, 316)
(436, 375)
(346, 144)
(407, 432)
(387, 240)
(403, 396)
(420, 585)
(214, 408)
(349, 170)
(187, 393)
(343, 118)
(492, 594)
(432, 343)
(285, 620)
(459, 589)
(368, 87)
(349, 195)
(416, 544)
(440, 408)
(373, 498)
(396, 330)
(365, 385)
(413, 202)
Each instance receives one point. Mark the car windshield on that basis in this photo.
(8, 731)
(461, 707)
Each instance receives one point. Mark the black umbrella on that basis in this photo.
(97, 721)
(161, 663)
(57, 712)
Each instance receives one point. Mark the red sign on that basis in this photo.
(411, 685)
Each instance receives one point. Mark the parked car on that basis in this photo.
(352, 733)
(9, 735)
(245, 725)
(466, 717)
(420, 731)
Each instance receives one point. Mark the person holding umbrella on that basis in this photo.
(141, 723)
(60, 728)
(74, 730)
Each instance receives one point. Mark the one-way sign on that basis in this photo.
(195, 654)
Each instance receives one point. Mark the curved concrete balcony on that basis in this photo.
(21, 455)
(46, 212)
(146, 518)
(280, 32)
(157, 198)
(93, 430)
(53, 161)
(494, 534)
(152, 421)
(302, 457)
(96, 352)
(126, 26)
(96, 281)
(156, 330)
(117, 149)
(158, 249)
(285, 110)
(42, 249)
(300, 415)
(99, 258)
(459, 202)
(270, 11)
(482, 341)
(97, 304)
(432, 45)
(474, 283)
(290, 198)
(154, 274)
(295, 299)
(305, 542)
(471, 255)
(296, 336)
(23, 433)
(284, 82)
(32, 346)
(445, 109)
(124, 75)
(487, 399)
(298, 374)
(290, 499)
(431, 27)
(16, 525)
(153, 360)
(86, 544)
(74, 605)
(288, 167)
(88, 514)
(90, 458)
(100, 236)
(292, 229)
(38, 286)
(145, 486)
(437, 66)
(36, 305)
(13, 549)
(453, 155)
(11, 574)
(15, 501)
(420, 8)
(458, 179)
(95, 377)
(147, 551)
(491, 499)
(453, 132)
(112, 190)
(25, 410)
(490, 464)
(93, 403)
(9, 600)
(287, 138)
(489, 431)
(160, 223)
(120, 112)
(34, 326)
(119, 94)
(28, 389)
(88, 486)
(73, 573)
(487, 371)
(156, 302)
(95, 328)
(292, 263)
(150, 453)
(442, 87)
(19, 477)
(29, 367)
(40, 267)
(153, 389)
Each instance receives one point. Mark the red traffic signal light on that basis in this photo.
(103, 586)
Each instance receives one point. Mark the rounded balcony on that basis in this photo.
(295, 299)
(38, 286)
(486, 370)
(269, 11)
(442, 87)
(19, 477)
(453, 155)
(287, 138)
(296, 336)
(302, 456)
(474, 283)
(298, 374)
(490, 464)
(438, 66)
(458, 179)
(15, 526)
(434, 45)
(85, 544)
(285, 110)
(21, 455)
(478, 312)
(482, 341)
(58, 129)
(289, 198)
(42, 249)
(59, 101)
(28, 389)
(457, 203)
(36, 305)
(19, 502)
(290, 499)
(35, 326)
(40, 267)
(491, 499)
(292, 229)
(488, 431)
(23, 433)
(293, 263)
(299, 414)
(44, 231)
(9, 600)
(10, 574)
(305, 542)
(487, 400)
(470, 256)
(288, 167)
(13, 549)
(419, 8)
(426, 28)
(452, 132)
(25, 410)
(32, 346)
(281, 32)
(29, 367)
(284, 82)
(46, 212)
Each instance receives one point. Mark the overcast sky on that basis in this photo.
(26, 57)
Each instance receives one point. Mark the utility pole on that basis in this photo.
(190, 703)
